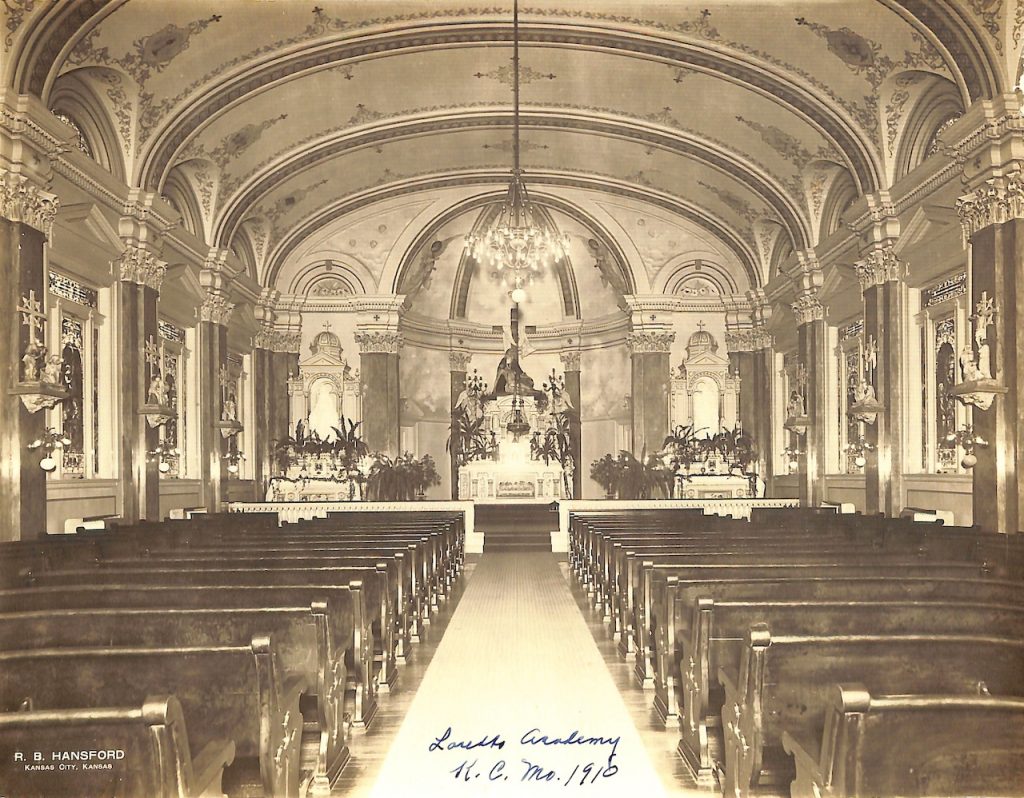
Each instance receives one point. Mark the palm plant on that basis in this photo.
(605, 472)
(468, 439)
(348, 442)
(643, 477)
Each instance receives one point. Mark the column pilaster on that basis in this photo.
(30, 137)
(992, 380)
(458, 366)
(650, 351)
(812, 340)
(571, 367)
(881, 274)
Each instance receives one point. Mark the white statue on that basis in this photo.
(984, 360)
(229, 411)
(863, 391)
(30, 362)
(157, 391)
(52, 369)
(968, 366)
(795, 406)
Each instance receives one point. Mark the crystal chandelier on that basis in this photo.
(518, 245)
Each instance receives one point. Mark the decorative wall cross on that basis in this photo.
(154, 356)
(32, 316)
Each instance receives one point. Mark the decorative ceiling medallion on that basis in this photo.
(504, 75)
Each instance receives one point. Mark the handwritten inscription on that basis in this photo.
(528, 758)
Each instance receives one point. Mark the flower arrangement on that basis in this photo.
(403, 478)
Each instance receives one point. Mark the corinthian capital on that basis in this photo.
(570, 359)
(640, 342)
(998, 200)
(379, 342)
(140, 266)
(880, 266)
(808, 308)
(459, 361)
(215, 308)
(23, 201)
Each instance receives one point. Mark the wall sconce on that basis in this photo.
(234, 458)
(858, 449)
(163, 452)
(50, 440)
(792, 459)
(966, 438)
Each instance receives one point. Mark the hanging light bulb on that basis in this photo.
(518, 245)
(519, 296)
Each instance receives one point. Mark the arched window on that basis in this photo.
(80, 141)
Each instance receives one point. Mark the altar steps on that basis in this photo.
(516, 527)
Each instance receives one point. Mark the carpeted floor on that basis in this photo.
(517, 656)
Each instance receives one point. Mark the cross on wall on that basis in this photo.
(32, 316)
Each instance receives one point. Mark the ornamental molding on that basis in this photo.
(570, 360)
(379, 342)
(740, 341)
(645, 342)
(998, 200)
(216, 309)
(140, 266)
(880, 266)
(274, 340)
(23, 201)
(808, 308)
(459, 361)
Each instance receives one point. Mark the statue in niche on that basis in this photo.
(795, 406)
(157, 392)
(30, 362)
(230, 411)
(52, 370)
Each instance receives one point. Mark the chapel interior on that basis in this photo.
(633, 384)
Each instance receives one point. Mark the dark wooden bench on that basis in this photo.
(303, 635)
(150, 744)
(784, 683)
(948, 746)
(227, 693)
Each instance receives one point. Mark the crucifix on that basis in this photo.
(32, 316)
(700, 326)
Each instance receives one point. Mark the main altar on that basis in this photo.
(512, 442)
(512, 471)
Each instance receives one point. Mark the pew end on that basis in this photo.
(950, 745)
(149, 744)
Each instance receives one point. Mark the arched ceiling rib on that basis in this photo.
(755, 180)
(551, 181)
(285, 115)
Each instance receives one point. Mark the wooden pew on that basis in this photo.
(795, 565)
(783, 683)
(149, 740)
(303, 635)
(227, 693)
(374, 590)
(717, 629)
(949, 745)
(346, 609)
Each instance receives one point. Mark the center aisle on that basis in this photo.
(517, 659)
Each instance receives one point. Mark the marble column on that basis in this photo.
(571, 366)
(763, 363)
(740, 345)
(212, 359)
(993, 222)
(284, 369)
(378, 368)
(885, 314)
(26, 216)
(266, 395)
(812, 339)
(651, 386)
(458, 362)
(139, 371)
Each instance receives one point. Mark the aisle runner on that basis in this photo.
(530, 705)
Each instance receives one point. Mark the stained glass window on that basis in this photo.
(72, 336)
(945, 403)
(80, 140)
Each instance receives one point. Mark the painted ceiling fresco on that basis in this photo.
(284, 116)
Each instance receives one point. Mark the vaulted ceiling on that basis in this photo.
(740, 117)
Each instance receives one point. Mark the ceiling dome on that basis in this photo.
(328, 343)
(701, 341)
